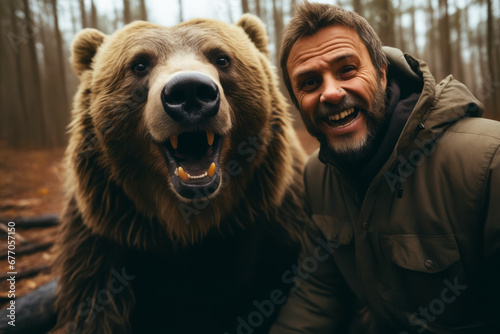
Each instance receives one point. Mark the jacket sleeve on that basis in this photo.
(492, 233)
(320, 298)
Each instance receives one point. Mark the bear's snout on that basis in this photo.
(191, 98)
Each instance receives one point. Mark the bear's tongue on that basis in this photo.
(194, 154)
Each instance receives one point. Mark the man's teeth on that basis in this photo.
(175, 141)
(342, 115)
(186, 177)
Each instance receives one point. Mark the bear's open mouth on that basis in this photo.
(193, 160)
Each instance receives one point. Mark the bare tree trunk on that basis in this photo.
(38, 114)
(48, 62)
(144, 12)
(401, 43)
(21, 117)
(83, 13)
(497, 49)
(490, 41)
(244, 6)
(414, 47)
(257, 8)
(432, 45)
(181, 14)
(459, 65)
(358, 7)
(93, 15)
(116, 20)
(471, 72)
(292, 7)
(484, 85)
(5, 116)
(278, 29)
(60, 54)
(264, 14)
(497, 84)
(444, 33)
(64, 107)
(73, 19)
(387, 23)
(127, 16)
(481, 55)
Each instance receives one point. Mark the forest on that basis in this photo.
(459, 37)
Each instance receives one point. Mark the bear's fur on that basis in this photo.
(142, 250)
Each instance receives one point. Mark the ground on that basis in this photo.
(30, 186)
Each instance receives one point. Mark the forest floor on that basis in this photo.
(30, 186)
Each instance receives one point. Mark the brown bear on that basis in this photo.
(184, 186)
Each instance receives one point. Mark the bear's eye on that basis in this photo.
(222, 61)
(140, 68)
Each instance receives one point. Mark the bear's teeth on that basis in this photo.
(198, 176)
(174, 142)
(210, 138)
(182, 174)
(211, 169)
(186, 177)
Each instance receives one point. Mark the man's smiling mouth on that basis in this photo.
(343, 118)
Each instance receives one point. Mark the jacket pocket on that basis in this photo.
(431, 282)
(336, 230)
(424, 253)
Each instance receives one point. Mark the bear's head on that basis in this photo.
(177, 127)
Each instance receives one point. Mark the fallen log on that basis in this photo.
(26, 273)
(28, 249)
(39, 221)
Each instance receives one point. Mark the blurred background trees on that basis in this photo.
(461, 37)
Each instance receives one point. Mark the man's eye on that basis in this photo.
(347, 70)
(308, 84)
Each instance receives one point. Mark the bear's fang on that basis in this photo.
(174, 141)
(210, 138)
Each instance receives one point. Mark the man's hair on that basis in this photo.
(311, 17)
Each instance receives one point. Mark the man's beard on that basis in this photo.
(350, 149)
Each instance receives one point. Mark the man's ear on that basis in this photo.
(84, 48)
(383, 76)
(256, 30)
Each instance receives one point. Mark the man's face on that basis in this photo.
(341, 97)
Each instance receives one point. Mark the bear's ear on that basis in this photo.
(84, 48)
(256, 30)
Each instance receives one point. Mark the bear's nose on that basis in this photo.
(190, 98)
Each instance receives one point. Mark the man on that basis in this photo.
(406, 188)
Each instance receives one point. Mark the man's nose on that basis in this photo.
(332, 91)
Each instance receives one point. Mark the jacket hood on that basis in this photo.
(438, 107)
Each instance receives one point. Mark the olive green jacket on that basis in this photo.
(422, 249)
